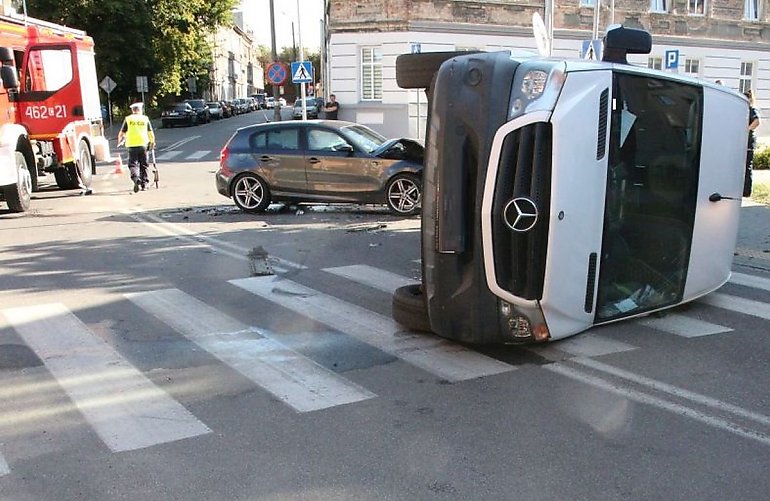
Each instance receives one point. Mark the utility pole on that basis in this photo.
(276, 95)
(294, 53)
(301, 58)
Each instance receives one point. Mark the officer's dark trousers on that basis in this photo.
(137, 164)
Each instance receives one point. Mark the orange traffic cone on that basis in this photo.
(119, 165)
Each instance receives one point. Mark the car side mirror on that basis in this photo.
(344, 147)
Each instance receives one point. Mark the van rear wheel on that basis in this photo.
(410, 308)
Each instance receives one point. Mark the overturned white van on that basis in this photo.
(563, 194)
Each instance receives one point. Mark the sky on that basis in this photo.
(256, 14)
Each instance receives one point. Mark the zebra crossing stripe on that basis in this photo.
(372, 277)
(4, 468)
(440, 357)
(583, 345)
(752, 281)
(684, 326)
(737, 304)
(125, 408)
(289, 376)
(168, 155)
(198, 155)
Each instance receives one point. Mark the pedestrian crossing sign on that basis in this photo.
(301, 72)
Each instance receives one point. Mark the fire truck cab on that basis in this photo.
(50, 114)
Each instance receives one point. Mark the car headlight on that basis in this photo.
(536, 87)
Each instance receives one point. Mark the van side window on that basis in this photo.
(652, 183)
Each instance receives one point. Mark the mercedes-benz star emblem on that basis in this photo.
(520, 214)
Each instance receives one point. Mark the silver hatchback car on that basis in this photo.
(320, 161)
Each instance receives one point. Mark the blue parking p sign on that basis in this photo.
(672, 59)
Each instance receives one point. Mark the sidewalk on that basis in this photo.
(753, 247)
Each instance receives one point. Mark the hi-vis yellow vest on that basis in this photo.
(138, 130)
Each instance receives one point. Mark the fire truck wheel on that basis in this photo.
(415, 71)
(19, 195)
(86, 166)
(409, 308)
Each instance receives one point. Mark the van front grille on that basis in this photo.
(524, 176)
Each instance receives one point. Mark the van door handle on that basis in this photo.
(314, 160)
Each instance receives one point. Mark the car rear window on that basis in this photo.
(275, 139)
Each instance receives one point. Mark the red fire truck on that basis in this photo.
(50, 114)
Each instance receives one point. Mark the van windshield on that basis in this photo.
(652, 182)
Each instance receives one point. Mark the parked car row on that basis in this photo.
(196, 111)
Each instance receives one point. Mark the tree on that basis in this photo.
(163, 39)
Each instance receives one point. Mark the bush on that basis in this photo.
(762, 158)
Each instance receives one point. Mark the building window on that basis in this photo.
(371, 74)
(747, 72)
(587, 3)
(655, 63)
(751, 10)
(692, 67)
(696, 7)
(658, 6)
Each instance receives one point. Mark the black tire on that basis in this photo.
(415, 71)
(64, 177)
(85, 166)
(410, 309)
(19, 196)
(403, 194)
(250, 193)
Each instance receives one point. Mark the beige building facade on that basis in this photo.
(235, 71)
(725, 40)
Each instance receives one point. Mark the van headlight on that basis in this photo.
(536, 87)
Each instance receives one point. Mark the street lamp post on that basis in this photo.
(302, 59)
(277, 108)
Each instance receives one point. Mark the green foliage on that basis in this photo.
(762, 158)
(165, 40)
(760, 192)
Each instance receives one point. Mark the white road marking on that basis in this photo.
(127, 412)
(289, 376)
(750, 281)
(673, 390)
(438, 356)
(179, 143)
(168, 155)
(682, 325)
(4, 468)
(221, 246)
(660, 403)
(198, 155)
(370, 276)
(737, 304)
(584, 345)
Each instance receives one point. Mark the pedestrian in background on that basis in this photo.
(139, 136)
(332, 107)
(753, 124)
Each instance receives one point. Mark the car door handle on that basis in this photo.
(266, 158)
(314, 160)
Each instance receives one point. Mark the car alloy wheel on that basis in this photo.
(404, 194)
(250, 193)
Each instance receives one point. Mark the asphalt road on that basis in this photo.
(140, 359)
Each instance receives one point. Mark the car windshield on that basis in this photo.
(213, 105)
(179, 107)
(363, 137)
(196, 103)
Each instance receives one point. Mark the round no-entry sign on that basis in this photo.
(277, 73)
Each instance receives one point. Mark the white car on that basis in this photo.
(598, 191)
(270, 102)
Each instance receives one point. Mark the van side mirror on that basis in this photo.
(9, 77)
(620, 41)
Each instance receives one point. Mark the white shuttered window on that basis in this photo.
(371, 74)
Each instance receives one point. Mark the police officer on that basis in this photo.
(138, 134)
